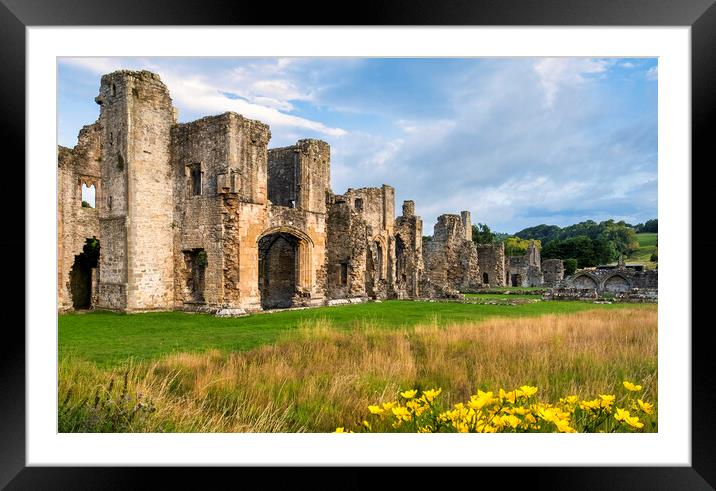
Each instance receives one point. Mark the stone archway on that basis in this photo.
(616, 283)
(284, 257)
(584, 282)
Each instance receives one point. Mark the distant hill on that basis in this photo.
(647, 246)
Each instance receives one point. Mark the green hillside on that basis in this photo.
(647, 246)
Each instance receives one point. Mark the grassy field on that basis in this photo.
(110, 339)
(647, 246)
(318, 369)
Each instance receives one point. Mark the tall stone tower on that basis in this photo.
(136, 264)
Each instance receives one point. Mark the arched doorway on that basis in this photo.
(81, 274)
(516, 279)
(284, 268)
(485, 279)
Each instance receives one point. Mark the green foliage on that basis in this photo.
(515, 246)
(201, 259)
(623, 237)
(650, 226)
(86, 204)
(90, 253)
(481, 234)
(654, 258)
(588, 252)
(427, 238)
(570, 266)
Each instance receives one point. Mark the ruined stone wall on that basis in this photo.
(553, 271)
(409, 266)
(76, 166)
(300, 173)
(136, 115)
(451, 262)
(611, 280)
(526, 270)
(227, 216)
(348, 248)
(491, 260)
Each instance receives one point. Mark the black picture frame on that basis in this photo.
(700, 15)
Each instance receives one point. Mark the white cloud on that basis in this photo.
(266, 99)
(652, 73)
(557, 73)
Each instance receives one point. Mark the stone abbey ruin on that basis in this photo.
(203, 216)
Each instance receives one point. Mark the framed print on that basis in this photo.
(46, 46)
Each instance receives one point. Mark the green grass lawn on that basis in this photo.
(499, 296)
(647, 246)
(110, 339)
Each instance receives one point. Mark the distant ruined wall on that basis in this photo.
(491, 261)
(451, 262)
(525, 271)
(613, 281)
(553, 271)
(76, 166)
(409, 266)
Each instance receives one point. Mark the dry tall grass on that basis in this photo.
(318, 377)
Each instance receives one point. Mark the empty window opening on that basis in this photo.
(88, 196)
(485, 278)
(195, 179)
(400, 259)
(114, 90)
(109, 203)
(81, 274)
(344, 274)
(379, 261)
(359, 204)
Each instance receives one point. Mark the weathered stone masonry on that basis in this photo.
(203, 216)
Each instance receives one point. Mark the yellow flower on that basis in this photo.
(367, 425)
(508, 396)
(401, 413)
(409, 394)
(431, 394)
(593, 404)
(528, 391)
(624, 416)
(607, 400)
(645, 406)
(563, 426)
(387, 406)
(633, 421)
(569, 400)
(339, 430)
(631, 387)
(376, 410)
(511, 420)
(480, 400)
(548, 414)
(621, 414)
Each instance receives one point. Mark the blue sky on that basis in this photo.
(516, 141)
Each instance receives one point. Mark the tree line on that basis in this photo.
(581, 245)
